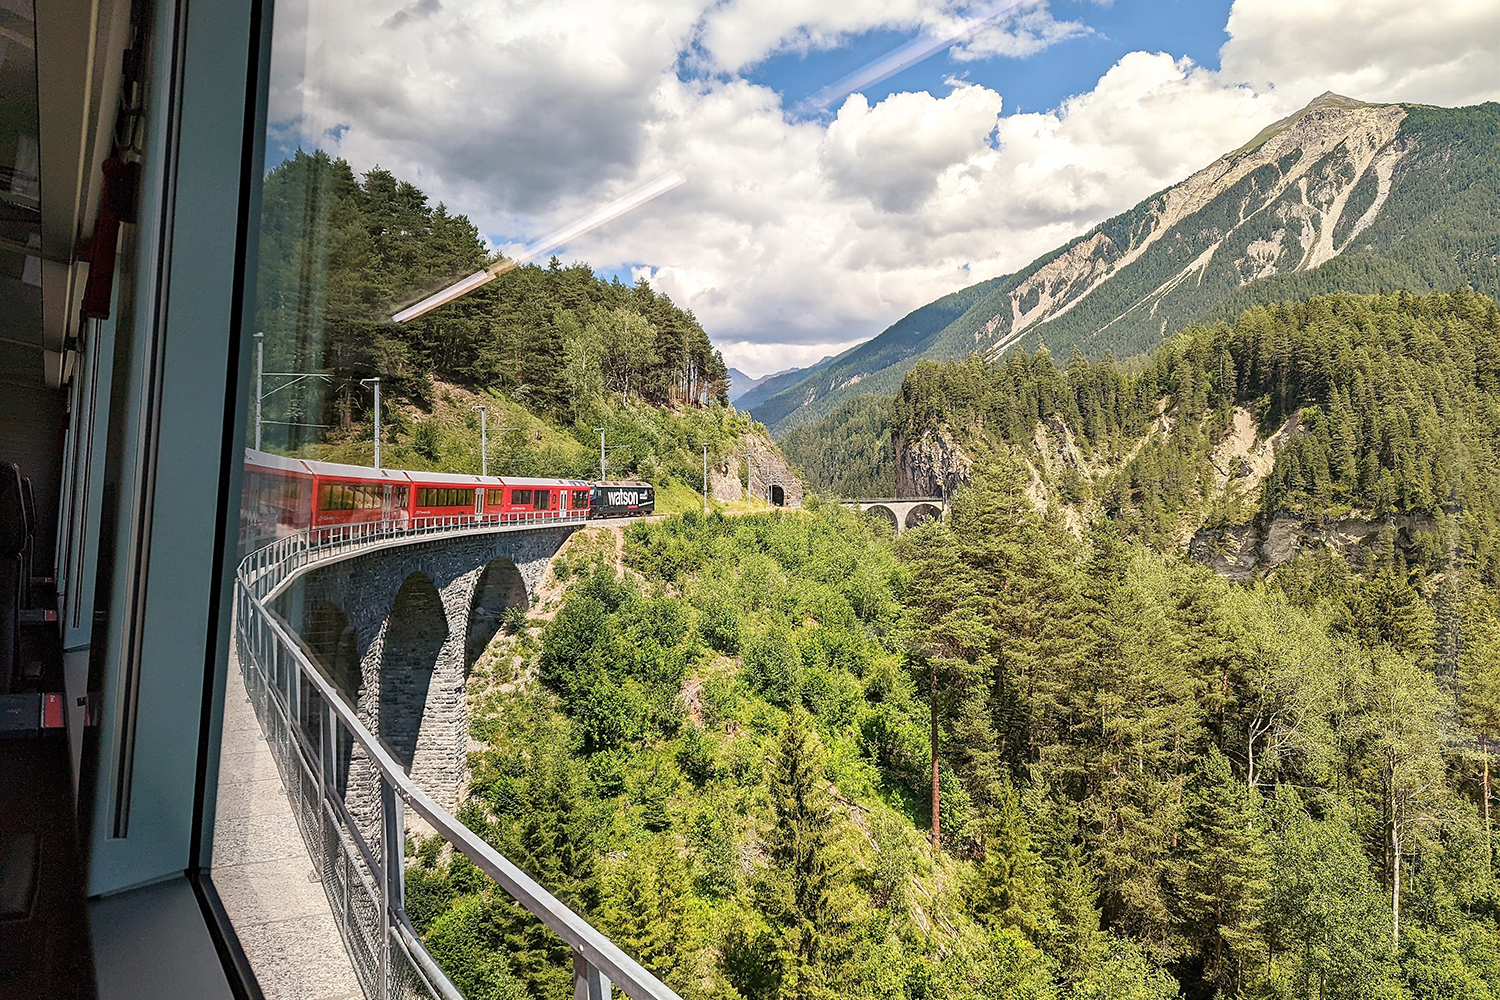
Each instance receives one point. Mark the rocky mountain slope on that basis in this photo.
(1341, 196)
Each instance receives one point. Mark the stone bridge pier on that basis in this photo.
(396, 629)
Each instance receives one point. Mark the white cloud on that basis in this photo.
(1432, 52)
(794, 238)
(895, 153)
(740, 33)
(1025, 35)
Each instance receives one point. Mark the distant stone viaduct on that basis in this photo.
(903, 512)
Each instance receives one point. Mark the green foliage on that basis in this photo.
(464, 940)
(798, 891)
(1153, 782)
(773, 666)
(1365, 390)
(557, 338)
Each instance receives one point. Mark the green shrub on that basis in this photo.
(696, 757)
(832, 695)
(773, 666)
(513, 620)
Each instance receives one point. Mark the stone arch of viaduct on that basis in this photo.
(905, 512)
(396, 629)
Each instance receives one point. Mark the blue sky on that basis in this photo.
(1039, 82)
(800, 233)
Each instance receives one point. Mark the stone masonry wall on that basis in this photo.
(768, 469)
(366, 589)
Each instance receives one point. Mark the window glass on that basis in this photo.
(1140, 633)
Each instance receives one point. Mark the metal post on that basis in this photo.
(376, 383)
(588, 982)
(393, 833)
(260, 371)
(484, 444)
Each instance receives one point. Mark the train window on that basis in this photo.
(520, 498)
(543, 499)
(580, 499)
(431, 496)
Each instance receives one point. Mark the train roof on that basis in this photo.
(624, 482)
(266, 460)
(340, 471)
(525, 481)
(462, 478)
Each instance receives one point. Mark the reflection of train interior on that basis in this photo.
(286, 495)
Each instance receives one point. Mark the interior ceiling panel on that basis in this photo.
(78, 50)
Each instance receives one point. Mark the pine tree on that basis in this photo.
(1224, 881)
(646, 909)
(797, 893)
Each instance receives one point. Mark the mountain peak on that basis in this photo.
(1326, 101)
(1364, 184)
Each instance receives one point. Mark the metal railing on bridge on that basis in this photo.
(278, 561)
(312, 731)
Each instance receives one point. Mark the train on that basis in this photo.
(283, 496)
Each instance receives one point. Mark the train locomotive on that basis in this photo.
(285, 495)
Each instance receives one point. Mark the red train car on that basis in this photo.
(284, 495)
(353, 494)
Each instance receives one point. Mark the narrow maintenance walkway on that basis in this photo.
(262, 871)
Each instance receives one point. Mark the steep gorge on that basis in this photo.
(1352, 422)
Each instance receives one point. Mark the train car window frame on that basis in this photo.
(520, 498)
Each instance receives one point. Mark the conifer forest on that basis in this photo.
(1036, 750)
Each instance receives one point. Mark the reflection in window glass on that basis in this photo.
(1121, 622)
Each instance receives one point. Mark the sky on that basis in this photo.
(810, 218)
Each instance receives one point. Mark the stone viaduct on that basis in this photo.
(903, 512)
(396, 629)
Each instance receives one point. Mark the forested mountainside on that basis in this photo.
(1153, 783)
(848, 454)
(553, 352)
(1340, 409)
(1342, 196)
(557, 338)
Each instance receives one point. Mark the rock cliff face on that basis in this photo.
(770, 479)
(1246, 551)
(935, 464)
(931, 465)
(1286, 201)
